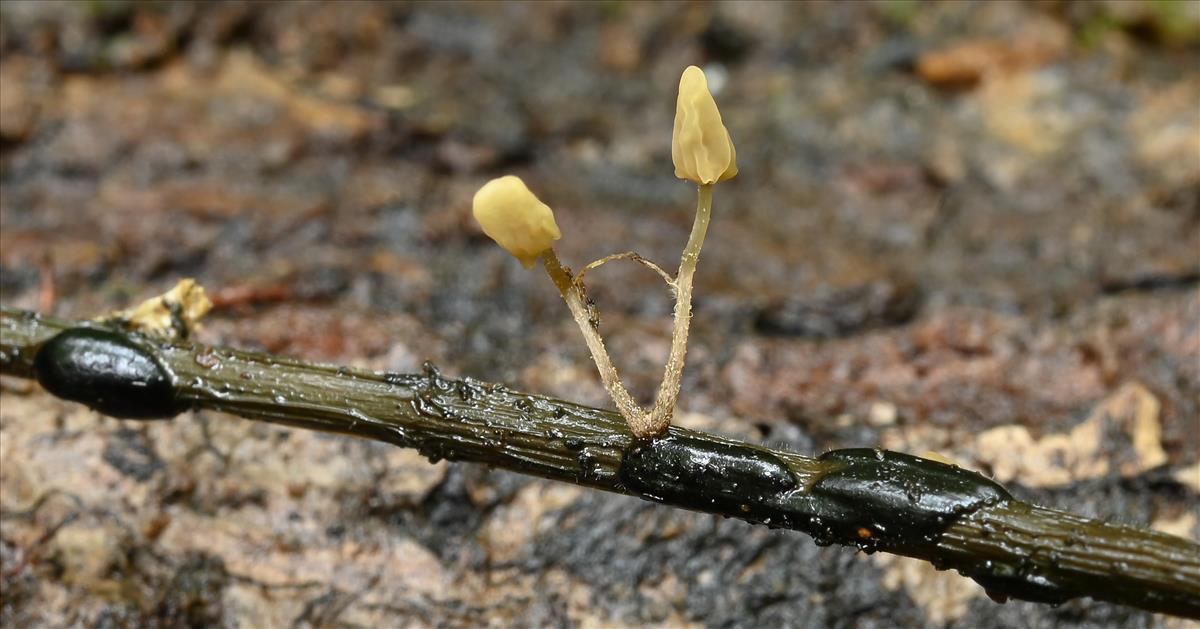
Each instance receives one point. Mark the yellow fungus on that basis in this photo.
(512, 216)
(700, 144)
(174, 313)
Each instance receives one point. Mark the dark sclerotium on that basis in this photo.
(702, 474)
(878, 496)
(868, 498)
(107, 372)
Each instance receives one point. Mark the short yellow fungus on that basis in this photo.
(516, 219)
(700, 144)
(175, 313)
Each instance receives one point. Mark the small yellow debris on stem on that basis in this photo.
(173, 314)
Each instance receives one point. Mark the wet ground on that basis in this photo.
(972, 229)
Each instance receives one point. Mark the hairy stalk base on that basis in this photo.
(655, 421)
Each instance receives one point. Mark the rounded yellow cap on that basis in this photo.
(512, 216)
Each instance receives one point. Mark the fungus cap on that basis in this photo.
(512, 216)
(700, 144)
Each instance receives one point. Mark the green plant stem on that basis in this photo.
(874, 500)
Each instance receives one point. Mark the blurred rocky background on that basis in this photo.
(965, 227)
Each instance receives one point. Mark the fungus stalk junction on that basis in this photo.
(524, 226)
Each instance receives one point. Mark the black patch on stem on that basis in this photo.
(704, 475)
(877, 497)
(108, 372)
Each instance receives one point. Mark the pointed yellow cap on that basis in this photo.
(700, 145)
(512, 216)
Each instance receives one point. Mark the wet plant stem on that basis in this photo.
(872, 499)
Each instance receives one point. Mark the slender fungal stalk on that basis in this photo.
(872, 499)
(703, 152)
(625, 255)
(658, 419)
(577, 304)
(668, 391)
